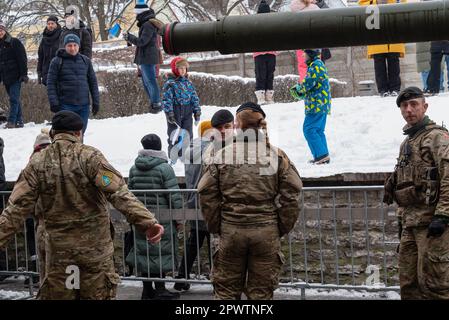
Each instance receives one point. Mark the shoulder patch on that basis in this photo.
(106, 178)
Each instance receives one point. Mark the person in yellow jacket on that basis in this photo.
(386, 59)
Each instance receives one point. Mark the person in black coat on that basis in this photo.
(75, 26)
(71, 78)
(147, 53)
(13, 71)
(437, 50)
(47, 48)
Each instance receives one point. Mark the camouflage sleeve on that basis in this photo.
(439, 146)
(21, 203)
(288, 199)
(111, 182)
(210, 198)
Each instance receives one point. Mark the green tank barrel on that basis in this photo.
(340, 27)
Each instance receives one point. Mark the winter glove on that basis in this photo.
(24, 79)
(437, 226)
(171, 118)
(197, 117)
(297, 92)
(125, 36)
(95, 109)
(155, 108)
(55, 108)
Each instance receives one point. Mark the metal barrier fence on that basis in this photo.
(345, 238)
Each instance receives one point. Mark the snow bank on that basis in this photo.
(13, 295)
(364, 134)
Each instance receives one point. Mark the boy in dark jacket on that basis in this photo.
(71, 78)
(180, 102)
(47, 48)
(147, 53)
(152, 171)
(13, 71)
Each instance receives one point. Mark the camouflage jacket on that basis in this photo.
(68, 186)
(250, 182)
(420, 182)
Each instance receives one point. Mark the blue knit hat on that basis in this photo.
(70, 38)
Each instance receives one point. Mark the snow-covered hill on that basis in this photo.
(364, 134)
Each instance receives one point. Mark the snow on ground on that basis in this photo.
(13, 295)
(286, 293)
(364, 134)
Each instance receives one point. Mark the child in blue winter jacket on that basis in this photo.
(180, 102)
(315, 90)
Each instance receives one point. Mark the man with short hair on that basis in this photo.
(13, 71)
(71, 79)
(420, 187)
(47, 48)
(68, 186)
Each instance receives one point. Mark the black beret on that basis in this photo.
(221, 117)
(408, 94)
(152, 142)
(251, 106)
(67, 121)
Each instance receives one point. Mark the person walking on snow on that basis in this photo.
(315, 90)
(265, 65)
(13, 71)
(147, 53)
(180, 102)
(71, 78)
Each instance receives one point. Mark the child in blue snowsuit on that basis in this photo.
(315, 90)
(180, 102)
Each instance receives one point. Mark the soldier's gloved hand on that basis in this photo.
(171, 118)
(55, 108)
(154, 233)
(437, 226)
(95, 109)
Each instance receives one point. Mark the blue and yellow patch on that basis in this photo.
(106, 178)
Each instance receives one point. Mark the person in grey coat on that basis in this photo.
(212, 135)
(147, 53)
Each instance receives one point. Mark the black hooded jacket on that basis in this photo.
(47, 51)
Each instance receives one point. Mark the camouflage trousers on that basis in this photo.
(97, 281)
(424, 265)
(248, 260)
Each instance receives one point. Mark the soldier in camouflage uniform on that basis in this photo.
(251, 203)
(420, 187)
(68, 186)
